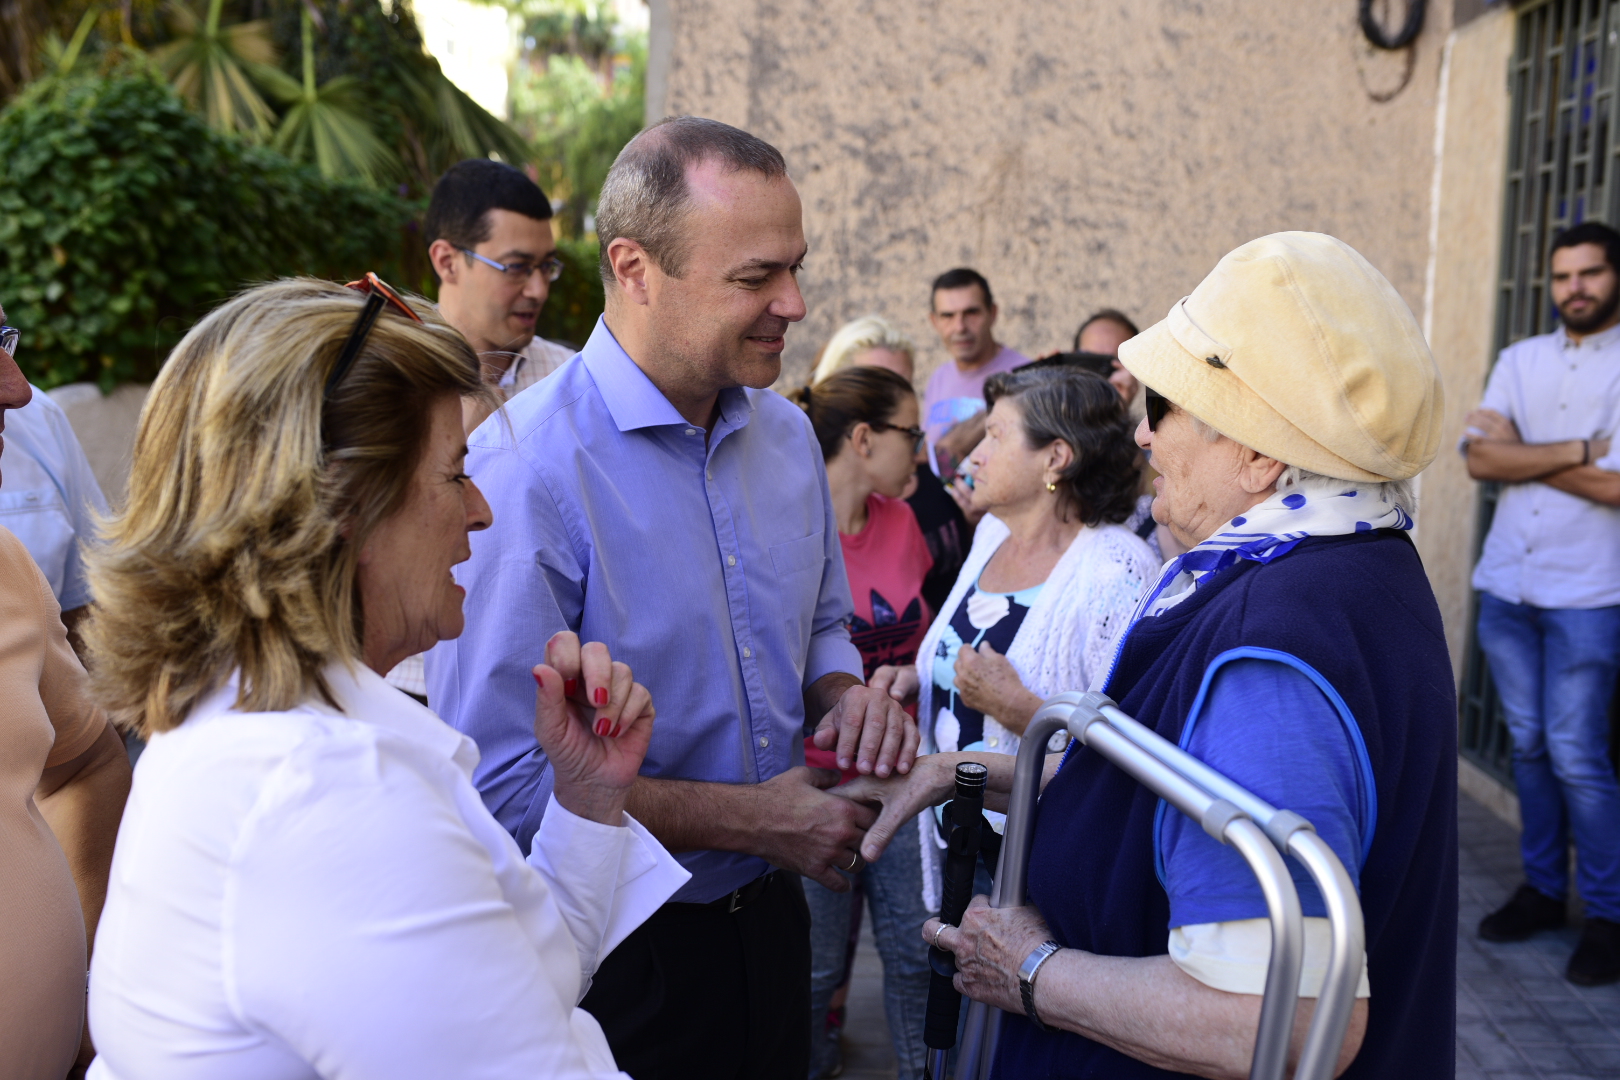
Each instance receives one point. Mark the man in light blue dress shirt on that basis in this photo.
(652, 496)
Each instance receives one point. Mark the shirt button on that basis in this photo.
(691, 431)
(707, 475)
(763, 742)
(992, 741)
(731, 560)
(747, 652)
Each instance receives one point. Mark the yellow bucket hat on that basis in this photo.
(1296, 347)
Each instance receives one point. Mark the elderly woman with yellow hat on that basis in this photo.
(1297, 647)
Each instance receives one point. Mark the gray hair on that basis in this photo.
(646, 197)
(1399, 492)
(1081, 409)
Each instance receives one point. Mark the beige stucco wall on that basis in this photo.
(1464, 296)
(1079, 154)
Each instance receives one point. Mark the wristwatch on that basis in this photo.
(1026, 978)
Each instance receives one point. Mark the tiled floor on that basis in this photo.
(1516, 1015)
(1517, 1019)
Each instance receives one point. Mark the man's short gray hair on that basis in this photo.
(645, 197)
(1399, 492)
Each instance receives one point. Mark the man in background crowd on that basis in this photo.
(1549, 605)
(489, 239)
(963, 314)
(488, 228)
(1104, 332)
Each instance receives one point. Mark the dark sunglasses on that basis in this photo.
(9, 336)
(1158, 407)
(379, 294)
(914, 433)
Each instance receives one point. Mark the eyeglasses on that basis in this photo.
(551, 266)
(914, 433)
(1158, 407)
(379, 294)
(9, 336)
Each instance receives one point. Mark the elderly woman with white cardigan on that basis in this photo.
(1052, 577)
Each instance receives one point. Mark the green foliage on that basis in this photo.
(124, 218)
(576, 297)
(577, 128)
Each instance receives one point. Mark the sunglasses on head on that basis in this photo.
(379, 294)
(1158, 407)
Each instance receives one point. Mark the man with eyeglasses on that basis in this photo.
(490, 242)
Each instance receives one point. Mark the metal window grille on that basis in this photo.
(1561, 171)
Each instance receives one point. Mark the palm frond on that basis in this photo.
(326, 124)
(330, 131)
(216, 68)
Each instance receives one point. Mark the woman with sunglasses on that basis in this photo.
(865, 419)
(306, 882)
(1051, 579)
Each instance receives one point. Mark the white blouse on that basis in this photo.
(314, 894)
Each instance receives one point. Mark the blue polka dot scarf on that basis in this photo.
(1273, 529)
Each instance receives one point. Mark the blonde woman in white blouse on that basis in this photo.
(306, 883)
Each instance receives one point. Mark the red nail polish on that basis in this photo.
(615, 732)
(570, 687)
(538, 681)
(602, 727)
(601, 695)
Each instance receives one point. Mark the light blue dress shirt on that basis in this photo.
(714, 572)
(48, 496)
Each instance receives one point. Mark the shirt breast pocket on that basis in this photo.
(798, 565)
(797, 556)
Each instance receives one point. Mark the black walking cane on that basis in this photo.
(966, 835)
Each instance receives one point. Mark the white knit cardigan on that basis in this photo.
(1066, 642)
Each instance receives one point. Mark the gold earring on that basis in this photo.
(1051, 487)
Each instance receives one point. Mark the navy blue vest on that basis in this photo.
(1360, 611)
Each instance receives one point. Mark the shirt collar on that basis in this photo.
(367, 698)
(1608, 337)
(632, 399)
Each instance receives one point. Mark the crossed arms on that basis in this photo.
(1496, 452)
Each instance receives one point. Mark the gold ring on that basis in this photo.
(938, 932)
(854, 858)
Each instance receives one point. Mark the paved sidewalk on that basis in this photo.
(1517, 1019)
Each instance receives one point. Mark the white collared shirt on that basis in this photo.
(536, 360)
(1548, 548)
(309, 893)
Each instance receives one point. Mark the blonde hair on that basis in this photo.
(869, 332)
(251, 495)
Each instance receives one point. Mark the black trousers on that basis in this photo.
(698, 991)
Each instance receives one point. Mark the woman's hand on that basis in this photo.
(900, 683)
(987, 682)
(990, 946)
(594, 723)
(932, 780)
